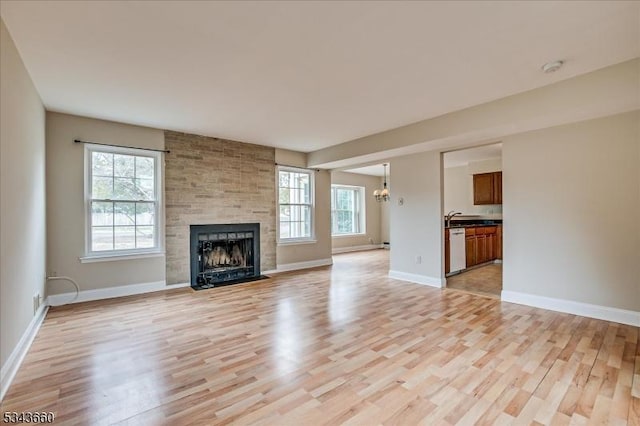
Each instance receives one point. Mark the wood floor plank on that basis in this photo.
(335, 345)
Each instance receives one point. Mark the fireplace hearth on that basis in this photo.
(224, 254)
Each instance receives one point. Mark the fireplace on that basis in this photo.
(224, 254)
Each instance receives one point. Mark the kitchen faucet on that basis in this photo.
(450, 216)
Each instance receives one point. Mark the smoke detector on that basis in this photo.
(550, 67)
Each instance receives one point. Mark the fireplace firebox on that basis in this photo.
(224, 254)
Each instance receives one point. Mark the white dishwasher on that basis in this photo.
(457, 252)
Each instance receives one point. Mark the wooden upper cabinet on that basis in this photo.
(483, 188)
(497, 187)
(487, 188)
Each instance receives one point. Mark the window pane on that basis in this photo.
(284, 230)
(123, 165)
(294, 230)
(101, 238)
(283, 195)
(333, 221)
(124, 213)
(101, 213)
(145, 189)
(306, 225)
(294, 191)
(294, 195)
(303, 180)
(306, 221)
(304, 195)
(345, 200)
(341, 224)
(124, 237)
(124, 224)
(284, 179)
(346, 210)
(145, 167)
(102, 164)
(285, 213)
(145, 213)
(124, 189)
(102, 188)
(144, 236)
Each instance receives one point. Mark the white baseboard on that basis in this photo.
(418, 279)
(285, 267)
(606, 313)
(339, 250)
(111, 292)
(10, 367)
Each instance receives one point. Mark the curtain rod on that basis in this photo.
(296, 167)
(166, 151)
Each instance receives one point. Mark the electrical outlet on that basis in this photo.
(418, 259)
(370, 240)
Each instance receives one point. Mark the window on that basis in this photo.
(122, 201)
(347, 210)
(295, 202)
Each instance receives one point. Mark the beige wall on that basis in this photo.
(416, 226)
(65, 203)
(571, 206)
(458, 187)
(216, 181)
(320, 249)
(372, 210)
(22, 197)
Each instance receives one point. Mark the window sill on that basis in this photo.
(296, 242)
(119, 256)
(361, 234)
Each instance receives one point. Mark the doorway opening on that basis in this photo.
(472, 225)
(360, 199)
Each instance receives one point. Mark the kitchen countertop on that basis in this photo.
(473, 225)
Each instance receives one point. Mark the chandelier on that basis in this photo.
(382, 195)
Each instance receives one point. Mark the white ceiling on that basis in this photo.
(457, 158)
(465, 156)
(374, 170)
(305, 75)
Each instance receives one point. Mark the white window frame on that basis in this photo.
(136, 253)
(312, 187)
(361, 209)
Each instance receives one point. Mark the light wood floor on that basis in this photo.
(485, 280)
(334, 345)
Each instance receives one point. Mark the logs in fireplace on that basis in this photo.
(224, 254)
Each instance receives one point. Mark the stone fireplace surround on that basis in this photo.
(209, 181)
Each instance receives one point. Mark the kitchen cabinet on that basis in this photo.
(487, 188)
(470, 250)
(491, 246)
(481, 245)
(481, 248)
(447, 252)
(499, 242)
